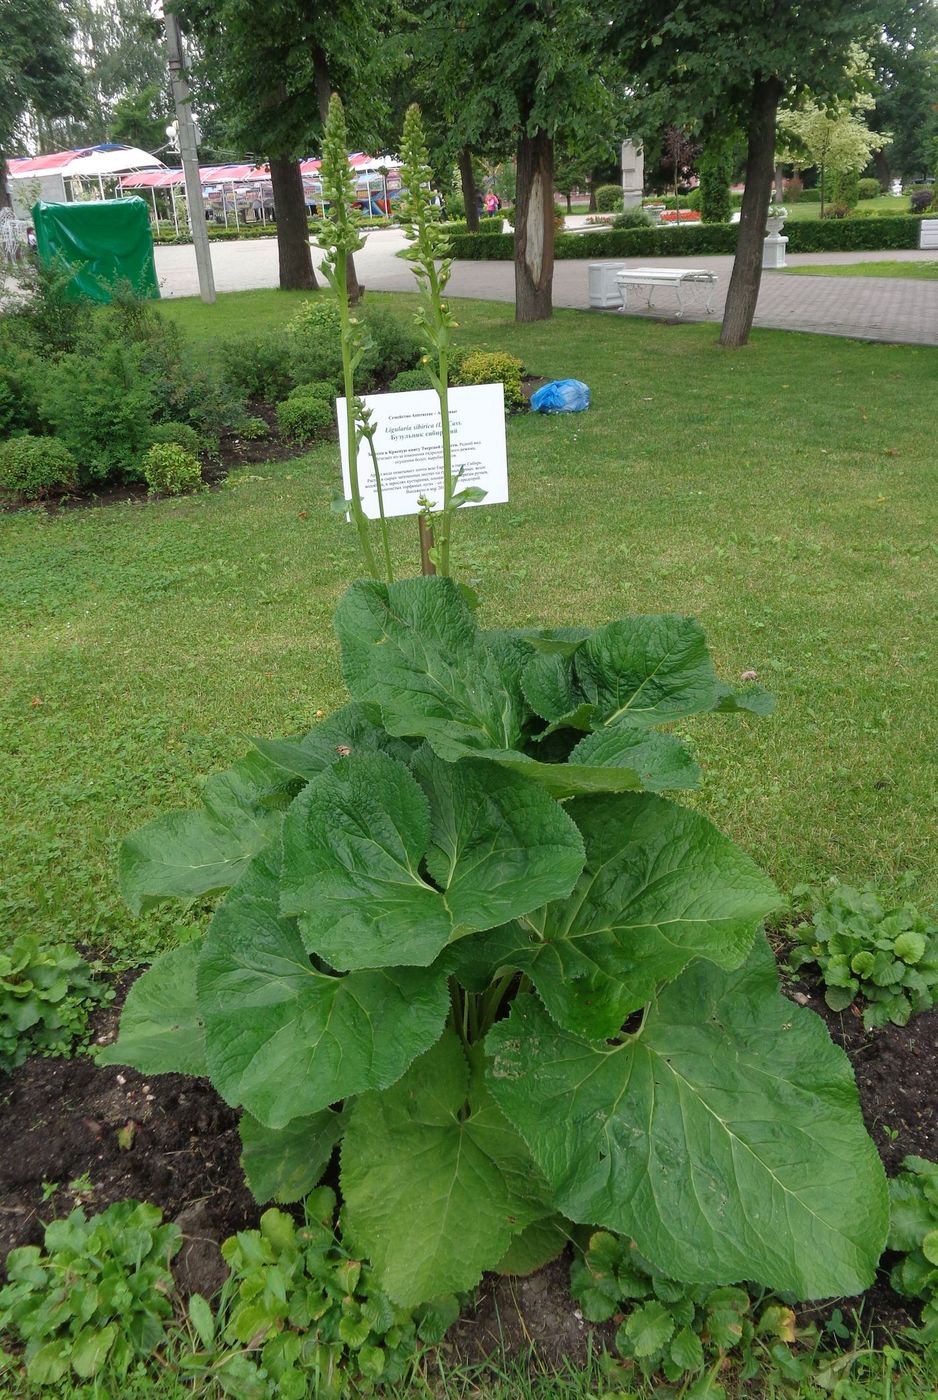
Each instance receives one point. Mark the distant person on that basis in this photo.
(31, 239)
(491, 203)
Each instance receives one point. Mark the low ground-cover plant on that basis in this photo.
(467, 938)
(305, 418)
(46, 994)
(96, 1296)
(683, 1332)
(182, 434)
(171, 470)
(33, 467)
(865, 947)
(913, 1233)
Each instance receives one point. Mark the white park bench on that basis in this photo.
(647, 279)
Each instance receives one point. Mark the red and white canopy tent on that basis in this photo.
(243, 188)
(72, 174)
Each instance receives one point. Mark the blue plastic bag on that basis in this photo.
(561, 396)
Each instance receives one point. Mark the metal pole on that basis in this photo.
(224, 203)
(156, 216)
(188, 150)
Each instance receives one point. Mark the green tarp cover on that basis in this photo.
(105, 241)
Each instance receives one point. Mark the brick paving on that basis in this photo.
(866, 308)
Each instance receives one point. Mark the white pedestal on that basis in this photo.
(928, 235)
(773, 250)
(603, 288)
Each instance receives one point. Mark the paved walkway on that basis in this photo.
(867, 308)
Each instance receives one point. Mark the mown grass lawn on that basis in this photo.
(920, 271)
(786, 495)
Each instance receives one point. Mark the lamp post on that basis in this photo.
(188, 150)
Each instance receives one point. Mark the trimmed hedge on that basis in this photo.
(837, 236)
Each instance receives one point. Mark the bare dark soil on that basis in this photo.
(179, 1148)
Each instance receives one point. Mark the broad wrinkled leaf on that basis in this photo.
(183, 855)
(414, 649)
(355, 840)
(414, 1154)
(286, 1039)
(751, 700)
(284, 1164)
(660, 887)
(647, 670)
(348, 730)
(551, 690)
(563, 780)
(726, 1139)
(537, 1245)
(661, 760)
(161, 1027)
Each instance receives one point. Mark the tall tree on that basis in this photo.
(905, 60)
(836, 139)
(119, 47)
(267, 72)
(727, 64)
(528, 74)
(38, 72)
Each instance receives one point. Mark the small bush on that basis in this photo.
(635, 217)
(716, 171)
(170, 470)
(259, 366)
(253, 429)
(304, 420)
(868, 189)
(846, 188)
(913, 1233)
(318, 389)
(96, 1297)
(409, 379)
(31, 467)
(395, 347)
(182, 434)
(794, 189)
(320, 312)
(836, 211)
(46, 993)
(609, 198)
(20, 388)
(919, 200)
(811, 196)
(494, 367)
(101, 405)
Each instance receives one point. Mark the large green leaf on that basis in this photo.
(725, 1139)
(285, 1164)
(660, 887)
(355, 840)
(415, 1154)
(286, 1039)
(414, 649)
(752, 700)
(349, 730)
(161, 1026)
(183, 855)
(647, 670)
(661, 760)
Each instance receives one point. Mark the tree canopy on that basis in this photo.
(38, 72)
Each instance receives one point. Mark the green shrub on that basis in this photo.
(259, 366)
(395, 346)
(319, 312)
(919, 200)
(253, 429)
(836, 210)
(679, 1330)
(608, 198)
(494, 367)
(315, 351)
(46, 994)
(20, 386)
(868, 189)
(409, 379)
(31, 467)
(96, 1297)
(913, 1232)
(716, 171)
(101, 405)
(863, 947)
(636, 217)
(169, 470)
(182, 434)
(846, 188)
(305, 419)
(810, 196)
(318, 389)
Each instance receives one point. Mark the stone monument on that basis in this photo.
(633, 174)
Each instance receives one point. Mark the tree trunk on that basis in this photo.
(534, 228)
(469, 192)
(323, 93)
(296, 264)
(592, 189)
(883, 173)
(5, 200)
(743, 290)
(779, 185)
(569, 202)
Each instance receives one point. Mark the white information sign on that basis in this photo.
(409, 447)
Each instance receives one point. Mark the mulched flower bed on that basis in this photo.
(60, 1121)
